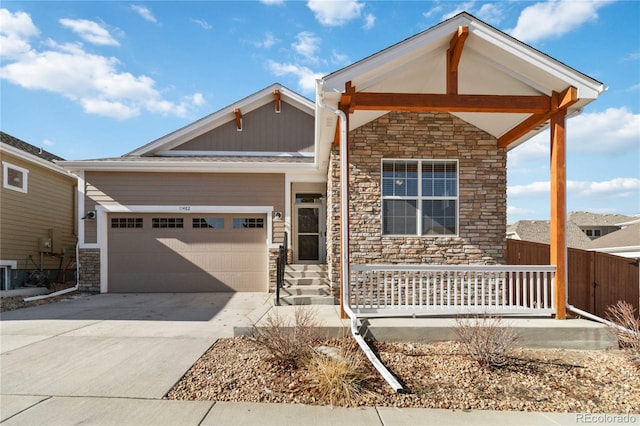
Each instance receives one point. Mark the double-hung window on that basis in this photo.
(419, 197)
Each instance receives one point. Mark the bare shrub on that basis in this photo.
(623, 314)
(289, 343)
(340, 380)
(486, 339)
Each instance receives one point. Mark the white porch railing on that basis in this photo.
(407, 290)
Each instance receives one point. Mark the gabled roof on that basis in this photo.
(223, 116)
(491, 63)
(30, 153)
(539, 231)
(625, 237)
(587, 219)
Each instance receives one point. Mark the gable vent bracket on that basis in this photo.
(238, 114)
(276, 93)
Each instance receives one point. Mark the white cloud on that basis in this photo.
(528, 189)
(620, 187)
(268, 41)
(461, 8)
(554, 18)
(197, 99)
(307, 45)
(146, 14)
(15, 31)
(614, 131)
(272, 2)
(48, 142)
(369, 21)
(339, 59)
(204, 24)
(335, 13)
(432, 11)
(90, 31)
(617, 188)
(490, 13)
(95, 82)
(306, 77)
(513, 210)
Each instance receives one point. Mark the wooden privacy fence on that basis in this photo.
(595, 280)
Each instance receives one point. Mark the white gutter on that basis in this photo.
(344, 226)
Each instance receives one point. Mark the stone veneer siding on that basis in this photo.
(409, 135)
(89, 270)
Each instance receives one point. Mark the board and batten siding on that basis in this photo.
(184, 189)
(49, 204)
(263, 129)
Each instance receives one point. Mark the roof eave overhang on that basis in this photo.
(187, 167)
(25, 156)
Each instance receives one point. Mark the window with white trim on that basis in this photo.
(14, 177)
(420, 197)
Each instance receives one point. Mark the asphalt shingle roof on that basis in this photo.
(27, 147)
(539, 231)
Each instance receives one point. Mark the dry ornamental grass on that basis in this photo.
(438, 375)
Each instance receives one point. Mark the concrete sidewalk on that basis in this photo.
(27, 410)
(110, 359)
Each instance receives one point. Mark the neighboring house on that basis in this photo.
(596, 225)
(426, 123)
(538, 231)
(623, 242)
(38, 214)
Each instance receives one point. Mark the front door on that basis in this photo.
(309, 234)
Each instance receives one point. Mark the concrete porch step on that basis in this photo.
(293, 281)
(306, 290)
(297, 300)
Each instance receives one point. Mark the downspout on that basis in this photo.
(344, 259)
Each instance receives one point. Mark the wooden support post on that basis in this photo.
(344, 275)
(558, 247)
(276, 93)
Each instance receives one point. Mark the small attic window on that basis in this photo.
(14, 177)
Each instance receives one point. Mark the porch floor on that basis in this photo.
(533, 332)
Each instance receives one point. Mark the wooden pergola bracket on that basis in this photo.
(454, 53)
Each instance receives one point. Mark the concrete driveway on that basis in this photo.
(116, 345)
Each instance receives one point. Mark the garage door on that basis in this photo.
(187, 253)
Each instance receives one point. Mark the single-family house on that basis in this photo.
(38, 215)
(538, 231)
(400, 159)
(596, 225)
(624, 242)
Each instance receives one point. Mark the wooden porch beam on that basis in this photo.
(447, 103)
(563, 100)
(238, 115)
(276, 93)
(454, 53)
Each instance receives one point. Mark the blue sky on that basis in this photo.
(98, 79)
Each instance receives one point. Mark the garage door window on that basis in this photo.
(167, 222)
(126, 222)
(208, 222)
(248, 222)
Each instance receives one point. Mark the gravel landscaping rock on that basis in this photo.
(436, 376)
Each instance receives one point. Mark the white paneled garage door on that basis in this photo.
(187, 252)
